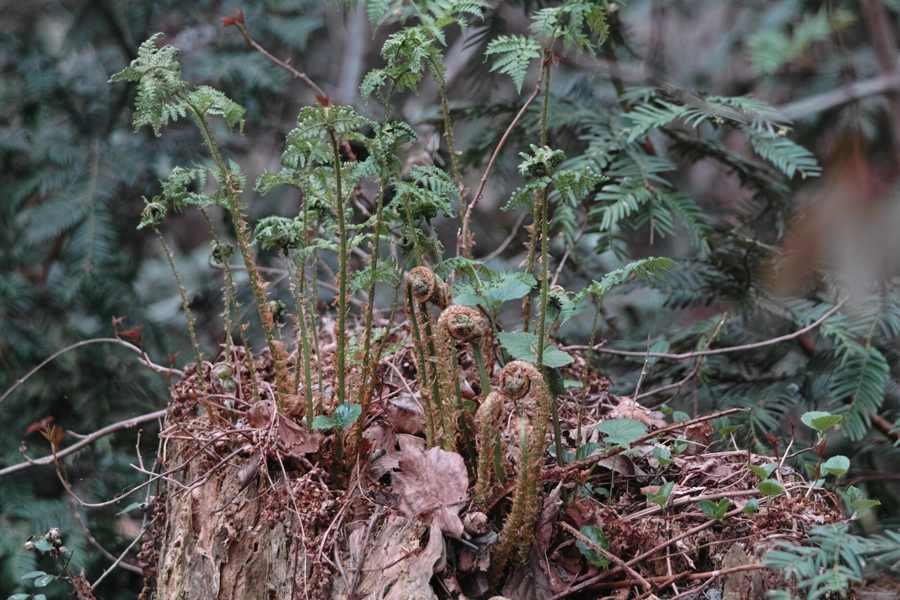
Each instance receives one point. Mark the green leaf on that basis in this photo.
(837, 465)
(33, 574)
(716, 511)
(43, 545)
(129, 508)
(820, 420)
(596, 535)
(770, 487)
(586, 450)
(858, 500)
(663, 455)
(661, 497)
(751, 507)
(346, 414)
(679, 416)
(764, 471)
(20, 597)
(323, 422)
(44, 580)
(621, 432)
(523, 346)
(728, 430)
(660, 347)
(515, 54)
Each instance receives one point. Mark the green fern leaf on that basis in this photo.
(516, 53)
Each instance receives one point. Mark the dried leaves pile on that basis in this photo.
(654, 517)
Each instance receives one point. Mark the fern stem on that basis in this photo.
(539, 212)
(584, 384)
(297, 292)
(448, 135)
(279, 357)
(188, 316)
(421, 371)
(342, 284)
(482, 371)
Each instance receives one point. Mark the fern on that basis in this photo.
(159, 80)
(516, 54)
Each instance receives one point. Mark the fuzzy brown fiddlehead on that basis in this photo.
(488, 419)
(522, 381)
(423, 286)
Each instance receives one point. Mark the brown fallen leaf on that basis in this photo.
(292, 439)
(432, 482)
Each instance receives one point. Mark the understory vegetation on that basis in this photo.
(513, 285)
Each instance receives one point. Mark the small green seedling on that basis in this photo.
(344, 416)
(770, 487)
(858, 501)
(661, 497)
(752, 507)
(663, 455)
(679, 445)
(716, 511)
(596, 535)
(765, 471)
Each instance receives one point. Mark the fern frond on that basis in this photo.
(516, 53)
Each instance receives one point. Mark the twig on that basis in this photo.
(144, 361)
(93, 541)
(607, 554)
(512, 234)
(602, 350)
(302, 76)
(842, 95)
(48, 460)
(661, 546)
(464, 232)
(121, 556)
(694, 371)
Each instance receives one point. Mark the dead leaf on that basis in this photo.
(292, 439)
(405, 414)
(432, 482)
(629, 409)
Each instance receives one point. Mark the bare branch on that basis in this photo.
(88, 439)
(784, 338)
(280, 63)
(145, 361)
(464, 232)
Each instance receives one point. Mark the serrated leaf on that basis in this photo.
(596, 535)
(621, 432)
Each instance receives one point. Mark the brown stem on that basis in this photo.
(302, 76)
(463, 247)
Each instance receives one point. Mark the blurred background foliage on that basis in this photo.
(751, 236)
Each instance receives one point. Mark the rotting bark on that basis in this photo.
(224, 542)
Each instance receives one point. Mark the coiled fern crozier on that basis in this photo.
(520, 380)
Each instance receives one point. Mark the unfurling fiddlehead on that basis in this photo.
(423, 286)
(518, 381)
(488, 419)
(463, 324)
